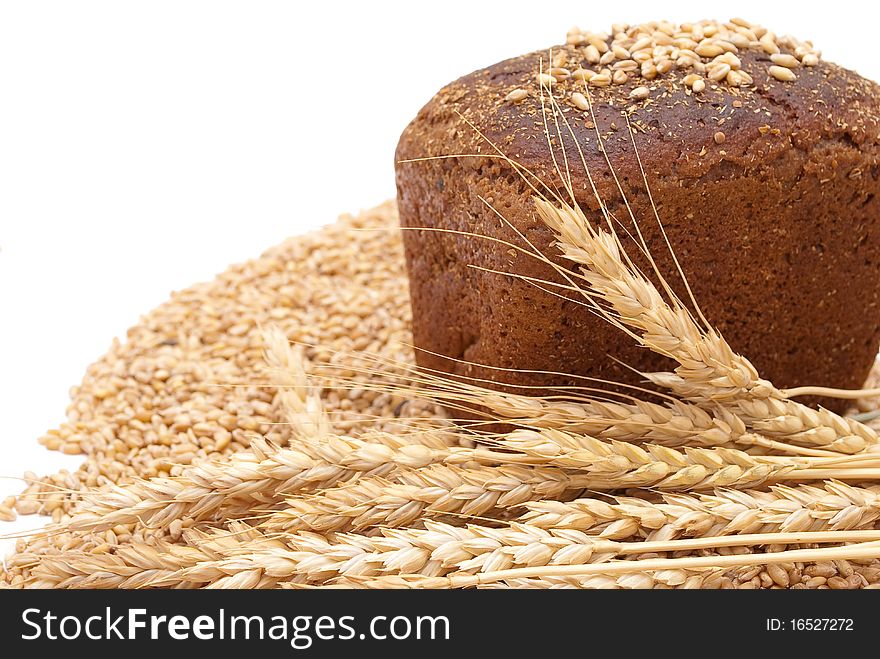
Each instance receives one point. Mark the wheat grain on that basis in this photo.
(782, 73)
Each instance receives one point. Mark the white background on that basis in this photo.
(144, 146)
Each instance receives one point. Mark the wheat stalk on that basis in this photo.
(253, 476)
(265, 472)
(660, 579)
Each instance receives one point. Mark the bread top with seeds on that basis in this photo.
(690, 96)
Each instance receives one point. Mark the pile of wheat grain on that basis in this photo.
(268, 429)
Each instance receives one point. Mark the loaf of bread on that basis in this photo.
(763, 163)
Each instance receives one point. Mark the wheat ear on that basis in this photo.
(253, 476)
(833, 506)
(264, 474)
(690, 566)
(244, 557)
(138, 565)
(443, 489)
(441, 549)
(299, 401)
(708, 369)
(673, 423)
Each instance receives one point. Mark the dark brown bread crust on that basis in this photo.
(777, 227)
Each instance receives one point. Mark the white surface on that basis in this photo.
(145, 146)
